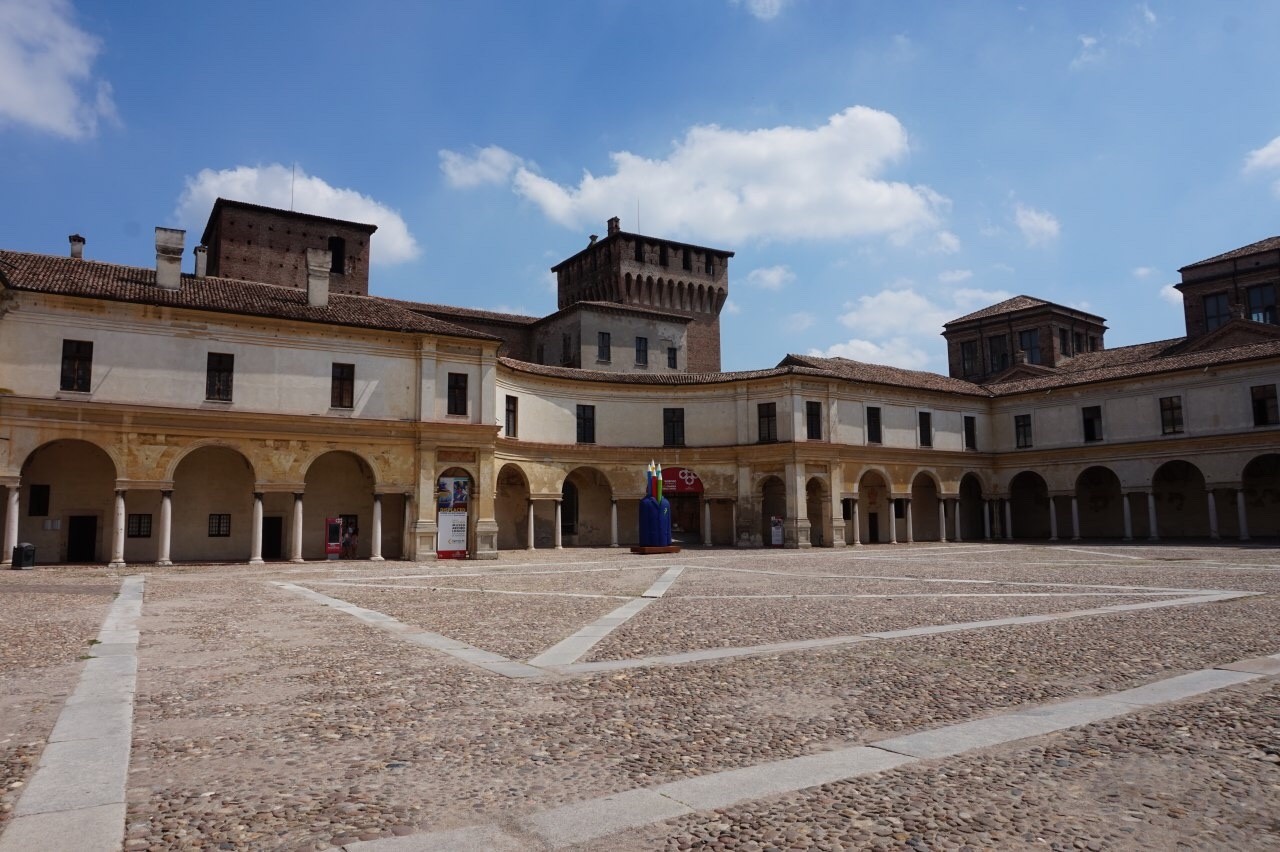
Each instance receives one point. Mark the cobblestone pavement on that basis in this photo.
(266, 720)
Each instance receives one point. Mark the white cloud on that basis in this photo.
(896, 352)
(770, 277)
(1171, 295)
(489, 165)
(731, 307)
(798, 321)
(955, 276)
(946, 243)
(1265, 158)
(764, 10)
(790, 183)
(277, 186)
(1038, 227)
(551, 283)
(1141, 272)
(46, 70)
(1091, 53)
(1131, 32)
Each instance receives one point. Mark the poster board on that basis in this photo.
(453, 498)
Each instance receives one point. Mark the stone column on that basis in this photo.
(375, 535)
(406, 542)
(613, 523)
(857, 530)
(117, 532)
(1128, 517)
(893, 521)
(1242, 514)
(910, 536)
(529, 530)
(1213, 514)
(295, 543)
(166, 528)
(955, 533)
(942, 519)
(10, 523)
(733, 520)
(1151, 517)
(1008, 519)
(1053, 518)
(986, 519)
(255, 532)
(706, 522)
(559, 541)
(1075, 518)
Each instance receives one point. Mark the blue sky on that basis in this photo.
(879, 168)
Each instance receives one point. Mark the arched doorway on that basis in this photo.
(773, 505)
(876, 508)
(1029, 505)
(586, 509)
(1098, 500)
(67, 502)
(1261, 483)
(924, 508)
(818, 510)
(339, 484)
(972, 527)
(1182, 506)
(511, 508)
(213, 506)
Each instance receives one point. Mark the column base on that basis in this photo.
(164, 563)
(297, 561)
(117, 565)
(258, 561)
(377, 559)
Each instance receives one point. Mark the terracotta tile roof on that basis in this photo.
(619, 308)
(1143, 359)
(578, 375)
(94, 280)
(1269, 244)
(1008, 306)
(432, 309)
(880, 374)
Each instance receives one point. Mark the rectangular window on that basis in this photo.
(767, 422)
(1265, 412)
(687, 261)
(642, 351)
(1022, 430)
(513, 416)
(540, 354)
(662, 255)
(673, 358)
(813, 420)
(873, 425)
(586, 424)
(970, 432)
(899, 508)
(673, 427)
(566, 350)
(38, 501)
(969, 358)
(926, 428)
(639, 252)
(1092, 418)
(604, 347)
(1216, 311)
(1093, 343)
(998, 352)
(217, 379)
(457, 393)
(1064, 341)
(1079, 343)
(1029, 343)
(343, 391)
(1262, 304)
(219, 526)
(708, 265)
(77, 365)
(138, 526)
(1170, 415)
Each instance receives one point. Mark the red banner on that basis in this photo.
(680, 480)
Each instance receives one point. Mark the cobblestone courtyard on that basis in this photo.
(712, 699)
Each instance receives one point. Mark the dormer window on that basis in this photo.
(338, 249)
(1262, 304)
(1216, 311)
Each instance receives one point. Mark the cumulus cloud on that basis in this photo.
(278, 186)
(1171, 295)
(1141, 272)
(46, 71)
(731, 307)
(896, 352)
(955, 276)
(770, 277)
(1265, 158)
(1038, 227)
(798, 322)
(489, 165)
(946, 243)
(789, 183)
(1091, 53)
(764, 10)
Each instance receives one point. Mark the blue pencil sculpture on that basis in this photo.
(655, 511)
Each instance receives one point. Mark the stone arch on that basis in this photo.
(1182, 505)
(511, 507)
(926, 490)
(1029, 505)
(972, 508)
(305, 465)
(818, 510)
(587, 523)
(627, 288)
(1260, 480)
(773, 503)
(187, 450)
(875, 500)
(76, 479)
(213, 487)
(721, 296)
(338, 483)
(1098, 500)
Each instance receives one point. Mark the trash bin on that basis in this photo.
(24, 556)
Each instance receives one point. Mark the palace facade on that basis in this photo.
(153, 415)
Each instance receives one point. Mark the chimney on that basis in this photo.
(318, 263)
(77, 246)
(202, 260)
(615, 225)
(169, 257)
(593, 239)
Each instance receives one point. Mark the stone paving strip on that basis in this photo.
(486, 660)
(595, 819)
(75, 801)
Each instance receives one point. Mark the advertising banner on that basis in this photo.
(453, 496)
(680, 480)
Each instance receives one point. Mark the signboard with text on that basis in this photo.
(453, 498)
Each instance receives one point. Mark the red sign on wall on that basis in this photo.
(680, 480)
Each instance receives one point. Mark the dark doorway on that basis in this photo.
(686, 526)
(82, 538)
(273, 537)
(873, 527)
